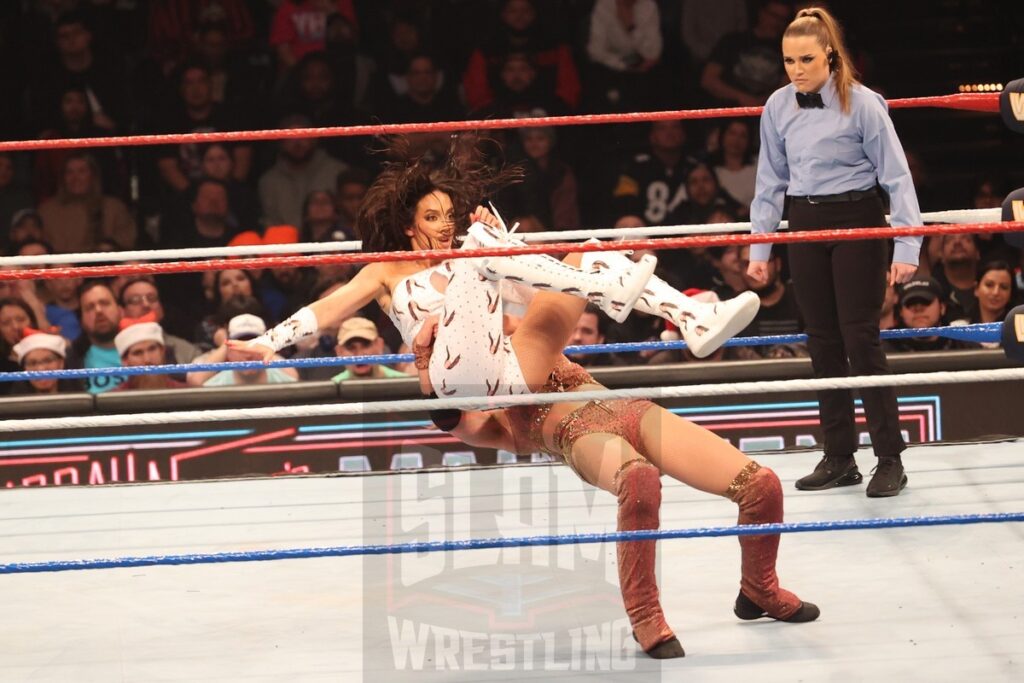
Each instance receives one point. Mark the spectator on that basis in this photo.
(426, 98)
(728, 280)
(520, 31)
(15, 316)
(26, 224)
(988, 193)
(735, 163)
(300, 27)
(233, 82)
(704, 197)
(518, 92)
(76, 121)
(315, 91)
(140, 343)
(703, 29)
(195, 111)
(301, 167)
(25, 292)
(653, 184)
(218, 163)
(592, 328)
(139, 298)
(62, 309)
(320, 218)
(312, 91)
(14, 199)
(352, 71)
(224, 286)
(61, 295)
(31, 247)
(996, 293)
(779, 313)
(744, 68)
(921, 305)
(41, 352)
(205, 223)
(359, 337)
(174, 26)
(101, 317)
(958, 274)
(81, 214)
(548, 190)
(624, 47)
(405, 41)
(686, 268)
(78, 64)
(350, 189)
(242, 327)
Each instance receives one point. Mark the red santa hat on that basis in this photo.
(135, 330)
(34, 339)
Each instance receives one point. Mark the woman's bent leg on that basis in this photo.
(701, 459)
(611, 463)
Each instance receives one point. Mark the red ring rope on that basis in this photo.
(982, 102)
(842, 234)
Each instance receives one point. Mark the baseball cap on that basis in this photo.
(357, 328)
(246, 326)
(1013, 335)
(1013, 210)
(920, 289)
(1011, 105)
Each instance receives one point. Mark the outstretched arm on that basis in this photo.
(325, 313)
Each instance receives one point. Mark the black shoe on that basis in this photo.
(667, 649)
(888, 478)
(831, 472)
(748, 610)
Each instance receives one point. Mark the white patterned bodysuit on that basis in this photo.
(472, 356)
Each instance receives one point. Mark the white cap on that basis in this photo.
(35, 340)
(246, 326)
(139, 332)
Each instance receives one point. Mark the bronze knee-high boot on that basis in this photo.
(758, 493)
(638, 485)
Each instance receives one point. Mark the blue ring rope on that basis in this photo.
(985, 332)
(512, 542)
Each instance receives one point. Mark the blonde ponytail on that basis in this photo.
(819, 24)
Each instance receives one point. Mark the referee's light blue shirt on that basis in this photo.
(808, 152)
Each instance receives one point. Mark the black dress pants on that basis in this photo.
(840, 287)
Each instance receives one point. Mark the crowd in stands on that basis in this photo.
(95, 68)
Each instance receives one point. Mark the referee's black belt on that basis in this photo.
(854, 196)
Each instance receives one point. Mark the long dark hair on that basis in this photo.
(389, 208)
(989, 266)
(5, 348)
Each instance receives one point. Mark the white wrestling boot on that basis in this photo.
(615, 289)
(705, 327)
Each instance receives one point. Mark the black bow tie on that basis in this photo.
(810, 100)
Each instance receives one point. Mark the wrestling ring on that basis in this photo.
(496, 572)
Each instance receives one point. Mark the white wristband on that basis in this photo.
(301, 325)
